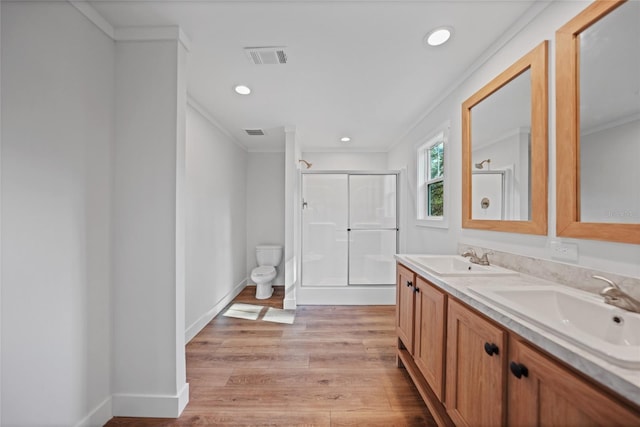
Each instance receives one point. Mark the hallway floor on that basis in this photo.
(334, 366)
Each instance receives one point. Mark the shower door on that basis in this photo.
(349, 229)
(324, 229)
(373, 229)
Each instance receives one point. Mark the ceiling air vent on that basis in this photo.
(266, 55)
(254, 132)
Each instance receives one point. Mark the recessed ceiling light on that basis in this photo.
(345, 139)
(242, 90)
(438, 36)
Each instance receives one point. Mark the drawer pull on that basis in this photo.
(491, 348)
(518, 370)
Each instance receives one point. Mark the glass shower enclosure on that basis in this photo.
(349, 229)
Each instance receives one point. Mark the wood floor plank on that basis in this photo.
(263, 418)
(284, 398)
(208, 376)
(334, 366)
(313, 377)
(255, 360)
(416, 418)
(351, 361)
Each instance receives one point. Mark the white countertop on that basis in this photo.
(623, 381)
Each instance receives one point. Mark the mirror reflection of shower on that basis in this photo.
(307, 164)
(481, 164)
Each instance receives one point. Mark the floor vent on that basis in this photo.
(266, 55)
(254, 132)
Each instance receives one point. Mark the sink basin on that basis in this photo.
(578, 316)
(455, 265)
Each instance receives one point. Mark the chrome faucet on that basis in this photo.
(473, 257)
(615, 296)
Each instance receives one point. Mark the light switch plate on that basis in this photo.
(564, 251)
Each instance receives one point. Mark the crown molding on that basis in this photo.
(161, 33)
(157, 33)
(191, 101)
(267, 150)
(371, 150)
(92, 15)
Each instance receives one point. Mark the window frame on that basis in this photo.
(423, 180)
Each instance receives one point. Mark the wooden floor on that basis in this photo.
(334, 366)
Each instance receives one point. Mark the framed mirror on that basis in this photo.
(598, 123)
(504, 149)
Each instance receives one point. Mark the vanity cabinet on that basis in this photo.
(476, 368)
(471, 371)
(543, 393)
(405, 306)
(430, 321)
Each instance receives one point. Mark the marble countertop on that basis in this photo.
(623, 381)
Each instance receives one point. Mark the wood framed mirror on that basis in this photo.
(598, 123)
(504, 149)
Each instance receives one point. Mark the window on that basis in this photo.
(431, 173)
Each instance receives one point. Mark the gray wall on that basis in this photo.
(265, 206)
(216, 219)
(57, 135)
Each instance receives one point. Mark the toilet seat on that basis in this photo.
(263, 271)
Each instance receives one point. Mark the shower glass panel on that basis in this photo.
(324, 229)
(372, 229)
(371, 260)
(372, 201)
(349, 234)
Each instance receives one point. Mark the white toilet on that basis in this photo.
(268, 257)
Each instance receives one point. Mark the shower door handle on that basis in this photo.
(304, 204)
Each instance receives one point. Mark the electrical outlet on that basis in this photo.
(564, 251)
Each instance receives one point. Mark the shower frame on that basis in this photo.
(398, 175)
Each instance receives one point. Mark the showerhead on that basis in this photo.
(480, 165)
(306, 163)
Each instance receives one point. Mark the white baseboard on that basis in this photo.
(347, 295)
(99, 416)
(197, 326)
(150, 406)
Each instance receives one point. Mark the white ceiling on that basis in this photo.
(356, 68)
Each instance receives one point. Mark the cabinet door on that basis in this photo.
(548, 394)
(476, 367)
(429, 334)
(405, 306)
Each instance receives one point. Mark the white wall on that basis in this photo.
(216, 220)
(57, 132)
(345, 161)
(614, 257)
(265, 206)
(0, 218)
(149, 374)
(610, 174)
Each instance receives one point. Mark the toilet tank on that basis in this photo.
(269, 255)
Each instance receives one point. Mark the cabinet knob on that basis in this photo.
(518, 370)
(491, 348)
(416, 289)
(409, 284)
